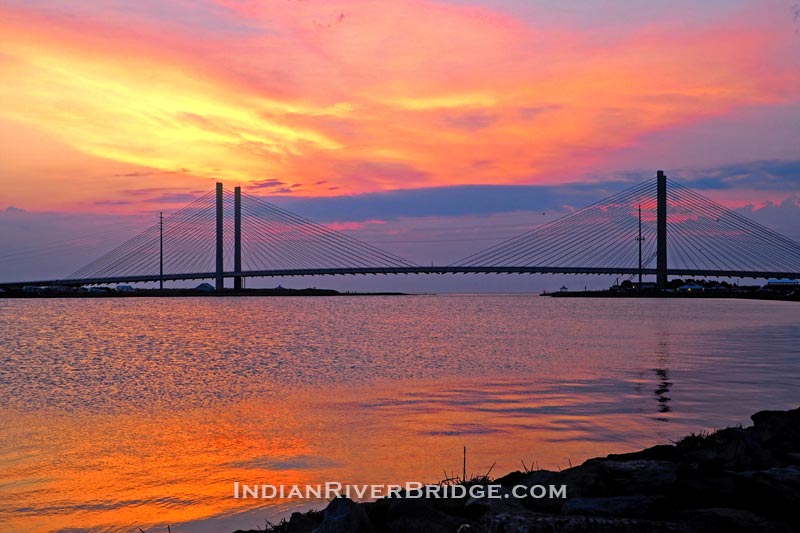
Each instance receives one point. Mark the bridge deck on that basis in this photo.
(404, 270)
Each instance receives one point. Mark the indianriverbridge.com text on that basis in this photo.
(334, 489)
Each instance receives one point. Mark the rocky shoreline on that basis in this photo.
(735, 479)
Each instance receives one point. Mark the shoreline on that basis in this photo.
(708, 295)
(734, 479)
(189, 293)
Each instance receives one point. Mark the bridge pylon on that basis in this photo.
(661, 230)
(220, 267)
(237, 237)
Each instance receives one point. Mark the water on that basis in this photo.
(120, 414)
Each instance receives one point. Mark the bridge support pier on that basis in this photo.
(220, 279)
(237, 237)
(661, 230)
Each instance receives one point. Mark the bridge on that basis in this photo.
(656, 228)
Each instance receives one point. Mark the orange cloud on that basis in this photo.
(366, 96)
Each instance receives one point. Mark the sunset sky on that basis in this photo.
(390, 116)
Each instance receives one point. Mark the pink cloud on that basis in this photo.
(368, 96)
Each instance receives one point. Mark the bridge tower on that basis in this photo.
(661, 230)
(237, 237)
(220, 279)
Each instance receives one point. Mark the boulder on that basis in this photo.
(507, 503)
(732, 521)
(615, 506)
(536, 523)
(774, 493)
(698, 491)
(343, 515)
(660, 452)
(604, 477)
(418, 514)
(300, 523)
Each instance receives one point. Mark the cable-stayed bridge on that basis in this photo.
(658, 227)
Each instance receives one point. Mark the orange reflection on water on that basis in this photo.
(140, 469)
(150, 469)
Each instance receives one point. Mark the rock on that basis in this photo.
(788, 476)
(537, 523)
(540, 477)
(511, 479)
(300, 523)
(418, 514)
(661, 452)
(343, 515)
(604, 477)
(778, 430)
(736, 448)
(376, 511)
(505, 523)
(773, 493)
(642, 476)
(616, 506)
(695, 492)
(732, 521)
(505, 504)
(778, 421)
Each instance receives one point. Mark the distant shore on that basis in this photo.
(185, 293)
(735, 479)
(781, 296)
(776, 290)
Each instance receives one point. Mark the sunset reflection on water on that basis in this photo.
(119, 414)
